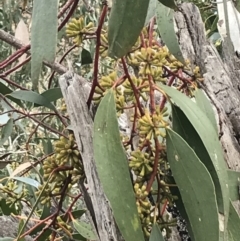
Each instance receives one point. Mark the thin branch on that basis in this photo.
(8, 38)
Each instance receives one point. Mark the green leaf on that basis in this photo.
(47, 146)
(77, 237)
(169, 4)
(165, 23)
(52, 94)
(76, 214)
(209, 138)
(156, 234)
(7, 239)
(84, 229)
(151, 11)
(113, 170)
(5, 90)
(45, 235)
(233, 224)
(178, 202)
(20, 225)
(43, 36)
(234, 184)
(237, 5)
(46, 183)
(206, 107)
(45, 213)
(7, 209)
(33, 97)
(126, 21)
(28, 181)
(196, 187)
(86, 57)
(6, 131)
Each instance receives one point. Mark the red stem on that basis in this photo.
(75, 3)
(135, 90)
(163, 101)
(97, 52)
(63, 57)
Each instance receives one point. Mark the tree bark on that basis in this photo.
(220, 77)
(75, 91)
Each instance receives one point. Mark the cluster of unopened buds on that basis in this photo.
(143, 207)
(13, 194)
(66, 161)
(150, 125)
(76, 28)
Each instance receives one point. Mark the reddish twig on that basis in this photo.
(65, 8)
(177, 75)
(13, 83)
(29, 116)
(164, 99)
(74, 5)
(135, 90)
(97, 52)
(150, 31)
(60, 61)
(14, 56)
(4, 74)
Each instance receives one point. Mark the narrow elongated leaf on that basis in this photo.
(210, 140)
(75, 236)
(20, 225)
(6, 131)
(76, 214)
(84, 229)
(234, 185)
(22, 34)
(43, 35)
(5, 90)
(196, 188)
(6, 239)
(156, 234)
(169, 4)
(32, 97)
(113, 171)
(47, 146)
(126, 21)
(237, 5)
(185, 129)
(151, 11)
(52, 94)
(45, 213)
(205, 105)
(180, 205)
(165, 23)
(28, 181)
(233, 224)
(7, 208)
(86, 57)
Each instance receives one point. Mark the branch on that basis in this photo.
(8, 38)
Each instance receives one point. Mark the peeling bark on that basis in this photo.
(220, 77)
(75, 91)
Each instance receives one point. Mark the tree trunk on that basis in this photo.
(220, 77)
